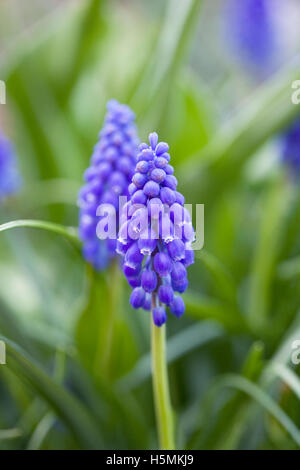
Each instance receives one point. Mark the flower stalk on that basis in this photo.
(162, 401)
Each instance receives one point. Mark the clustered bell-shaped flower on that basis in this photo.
(156, 234)
(10, 179)
(108, 176)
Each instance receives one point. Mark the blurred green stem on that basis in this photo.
(162, 401)
(115, 283)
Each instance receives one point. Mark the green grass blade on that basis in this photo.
(261, 397)
(103, 336)
(224, 283)
(90, 30)
(66, 406)
(267, 250)
(284, 349)
(253, 364)
(50, 191)
(268, 111)
(175, 31)
(224, 429)
(7, 434)
(41, 431)
(289, 268)
(206, 308)
(68, 232)
(288, 376)
(182, 343)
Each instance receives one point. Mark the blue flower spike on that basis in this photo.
(291, 149)
(108, 176)
(10, 179)
(156, 235)
(252, 32)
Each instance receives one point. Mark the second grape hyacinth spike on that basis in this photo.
(156, 234)
(291, 149)
(10, 178)
(108, 176)
(252, 32)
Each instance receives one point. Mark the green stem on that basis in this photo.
(115, 280)
(162, 401)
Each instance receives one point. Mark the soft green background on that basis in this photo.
(233, 384)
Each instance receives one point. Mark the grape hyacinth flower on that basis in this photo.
(108, 176)
(156, 234)
(254, 33)
(251, 30)
(291, 149)
(10, 179)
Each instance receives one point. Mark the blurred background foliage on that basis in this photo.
(70, 381)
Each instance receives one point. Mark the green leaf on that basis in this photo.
(50, 191)
(178, 345)
(66, 406)
(251, 126)
(225, 430)
(90, 31)
(206, 308)
(283, 352)
(267, 249)
(288, 376)
(41, 76)
(42, 429)
(234, 416)
(10, 327)
(253, 365)
(172, 42)
(6, 434)
(188, 123)
(58, 146)
(68, 232)
(224, 283)
(263, 399)
(289, 268)
(290, 242)
(103, 337)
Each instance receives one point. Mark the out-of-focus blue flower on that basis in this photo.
(10, 179)
(156, 234)
(291, 148)
(108, 176)
(251, 32)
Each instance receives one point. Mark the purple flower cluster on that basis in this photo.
(251, 29)
(291, 148)
(156, 234)
(10, 179)
(108, 176)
